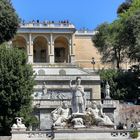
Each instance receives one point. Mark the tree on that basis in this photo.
(124, 7)
(108, 41)
(16, 87)
(120, 39)
(9, 21)
(132, 35)
(120, 85)
(134, 6)
(110, 75)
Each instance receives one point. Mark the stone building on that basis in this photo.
(58, 53)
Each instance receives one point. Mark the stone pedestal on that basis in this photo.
(19, 134)
(90, 134)
(78, 120)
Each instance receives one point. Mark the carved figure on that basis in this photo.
(78, 97)
(60, 115)
(107, 91)
(44, 89)
(78, 121)
(19, 123)
(98, 115)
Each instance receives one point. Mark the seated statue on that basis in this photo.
(60, 115)
(98, 115)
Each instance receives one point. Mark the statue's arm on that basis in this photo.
(70, 84)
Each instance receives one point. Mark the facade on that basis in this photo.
(58, 53)
(57, 43)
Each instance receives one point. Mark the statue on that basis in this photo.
(60, 115)
(78, 97)
(99, 116)
(107, 91)
(44, 89)
(19, 124)
(78, 122)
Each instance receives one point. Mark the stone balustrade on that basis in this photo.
(86, 31)
(38, 135)
(46, 25)
(70, 134)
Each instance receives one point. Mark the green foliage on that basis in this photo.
(110, 75)
(123, 7)
(120, 83)
(132, 35)
(16, 87)
(119, 40)
(134, 134)
(108, 41)
(135, 5)
(9, 21)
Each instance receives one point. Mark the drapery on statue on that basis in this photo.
(60, 115)
(107, 91)
(78, 97)
(98, 115)
(44, 89)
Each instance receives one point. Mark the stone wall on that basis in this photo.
(128, 114)
(5, 137)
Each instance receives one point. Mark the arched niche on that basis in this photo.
(61, 54)
(40, 50)
(20, 43)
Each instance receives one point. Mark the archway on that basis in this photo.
(20, 43)
(40, 50)
(61, 54)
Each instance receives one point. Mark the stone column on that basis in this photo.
(71, 50)
(51, 49)
(30, 49)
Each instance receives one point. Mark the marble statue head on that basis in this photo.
(64, 105)
(94, 105)
(78, 80)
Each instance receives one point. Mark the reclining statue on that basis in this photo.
(98, 115)
(60, 115)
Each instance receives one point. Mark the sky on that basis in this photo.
(82, 13)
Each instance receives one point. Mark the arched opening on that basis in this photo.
(20, 43)
(40, 50)
(61, 54)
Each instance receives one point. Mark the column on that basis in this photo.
(30, 49)
(71, 50)
(51, 49)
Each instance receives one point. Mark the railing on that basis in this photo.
(47, 25)
(32, 135)
(53, 65)
(71, 134)
(84, 31)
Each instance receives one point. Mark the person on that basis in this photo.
(98, 115)
(60, 115)
(78, 101)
